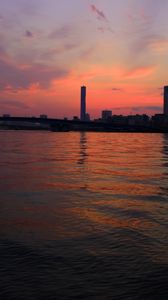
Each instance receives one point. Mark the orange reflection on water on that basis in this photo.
(67, 185)
(123, 188)
(112, 221)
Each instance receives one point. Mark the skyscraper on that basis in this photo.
(83, 104)
(166, 100)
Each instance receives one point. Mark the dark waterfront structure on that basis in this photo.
(166, 100)
(121, 123)
(106, 114)
(83, 104)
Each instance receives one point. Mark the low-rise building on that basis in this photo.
(43, 117)
(106, 114)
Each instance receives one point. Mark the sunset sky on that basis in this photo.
(49, 48)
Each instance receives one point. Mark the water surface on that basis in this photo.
(83, 215)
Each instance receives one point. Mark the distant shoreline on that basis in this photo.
(64, 125)
(80, 130)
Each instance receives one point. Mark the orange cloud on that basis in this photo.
(140, 72)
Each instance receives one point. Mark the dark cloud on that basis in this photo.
(99, 14)
(117, 89)
(70, 46)
(28, 34)
(139, 22)
(147, 107)
(28, 8)
(102, 29)
(7, 103)
(143, 14)
(19, 77)
(51, 53)
(151, 7)
(87, 53)
(2, 52)
(141, 109)
(61, 33)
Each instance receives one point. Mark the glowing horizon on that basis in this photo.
(49, 49)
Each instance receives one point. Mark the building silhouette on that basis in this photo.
(165, 111)
(106, 114)
(87, 117)
(83, 104)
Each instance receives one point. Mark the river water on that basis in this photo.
(83, 216)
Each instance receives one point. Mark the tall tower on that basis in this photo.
(83, 104)
(165, 100)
